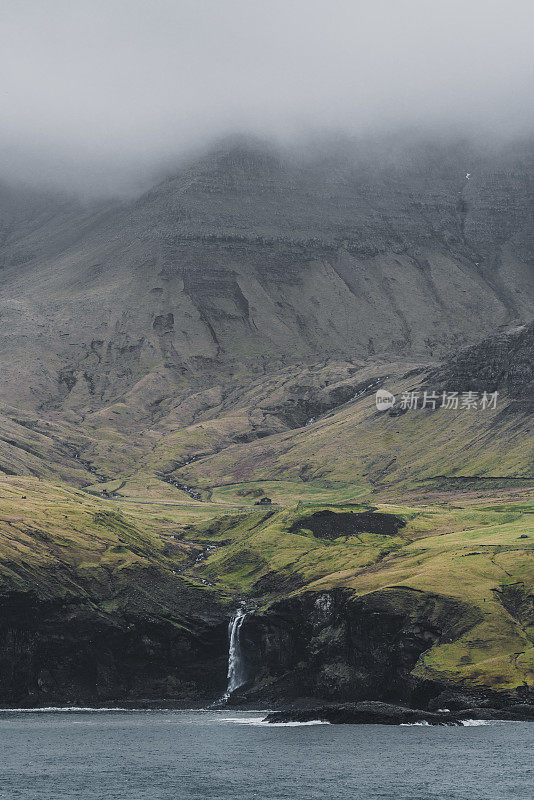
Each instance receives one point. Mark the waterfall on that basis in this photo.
(236, 666)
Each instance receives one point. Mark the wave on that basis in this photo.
(261, 721)
(422, 724)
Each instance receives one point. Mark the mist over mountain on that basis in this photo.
(101, 97)
(249, 255)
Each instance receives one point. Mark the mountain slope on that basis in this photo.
(174, 364)
(360, 446)
(250, 259)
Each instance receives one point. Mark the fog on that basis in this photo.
(102, 95)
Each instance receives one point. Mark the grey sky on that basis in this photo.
(97, 92)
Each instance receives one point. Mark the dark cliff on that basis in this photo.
(503, 363)
(74, 653)
(336, 647)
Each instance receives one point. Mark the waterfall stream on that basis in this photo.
(236, 666)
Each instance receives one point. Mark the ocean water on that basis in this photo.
(169, 755)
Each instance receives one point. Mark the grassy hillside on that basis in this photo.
(60, 542)
(360, 447)
(309, 433)
(481, 555)
(182, 560)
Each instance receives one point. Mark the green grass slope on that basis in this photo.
(355, 445)
(482, 555)
(178, 561)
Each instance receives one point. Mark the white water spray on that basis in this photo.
(236, 666)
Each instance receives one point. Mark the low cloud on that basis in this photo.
(99, 95)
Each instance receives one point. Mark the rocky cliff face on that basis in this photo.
(502, 363)
(337, 647)
(71, 652)
(324, 645)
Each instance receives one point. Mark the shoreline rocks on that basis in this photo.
(375, 713)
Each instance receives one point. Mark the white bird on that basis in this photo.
(468, 175)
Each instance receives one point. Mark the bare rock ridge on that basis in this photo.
(501, 363)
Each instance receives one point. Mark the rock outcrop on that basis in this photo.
(502, 363)
(338, 647)
(375, 713)
(71, 652)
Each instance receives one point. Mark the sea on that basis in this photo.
(114, 754)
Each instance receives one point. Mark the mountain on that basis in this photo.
(188, 425)
(249, 259)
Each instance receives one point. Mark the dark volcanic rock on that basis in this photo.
(374, 713)
(515, 711)
(485, 700)
(503, 363)
(69, 652)
(331, 525)
(365, 713)
(338, 647)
